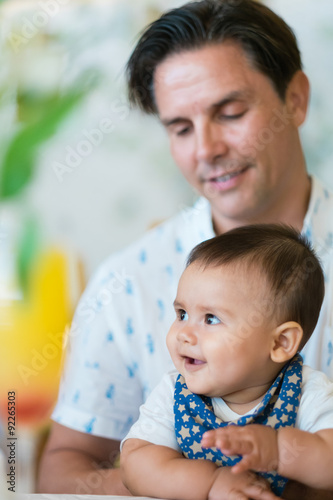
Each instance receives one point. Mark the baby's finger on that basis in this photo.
(233, 445)
(209, 439)
(238, 495)
(217, 438)
(247, 463)
(260, 491)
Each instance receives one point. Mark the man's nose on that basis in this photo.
(187, 334)
(210, 143)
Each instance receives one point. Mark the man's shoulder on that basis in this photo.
(177, 235)
(321, 198)
(318, 222)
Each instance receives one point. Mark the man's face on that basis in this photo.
(231, 135)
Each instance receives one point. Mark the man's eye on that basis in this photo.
(234, 116)
(232, 110)
(183, 131)
(212, 320)
(182, 315)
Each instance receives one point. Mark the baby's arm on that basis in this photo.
(303, 456)
(159, 471)
(306, 457)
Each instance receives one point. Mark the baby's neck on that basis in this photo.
(246, 401)
(242, 408)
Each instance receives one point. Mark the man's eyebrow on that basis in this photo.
(236, 95)
(233, 96)
(173, 121)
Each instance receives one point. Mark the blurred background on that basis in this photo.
(96, 190)
(82, 175)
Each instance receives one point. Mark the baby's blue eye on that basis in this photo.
(212, 320)
(183, 316)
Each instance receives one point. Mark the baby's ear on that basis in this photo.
(285, 342)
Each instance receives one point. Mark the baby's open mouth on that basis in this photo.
(193, 361)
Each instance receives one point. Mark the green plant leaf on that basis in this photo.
(20, 158)
(27, 252)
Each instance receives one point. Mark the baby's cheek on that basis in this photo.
(169, 340)
(171, 344)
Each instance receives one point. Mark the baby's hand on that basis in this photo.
(244, 486)
(257, 444)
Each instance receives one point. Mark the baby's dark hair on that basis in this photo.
(284, 257)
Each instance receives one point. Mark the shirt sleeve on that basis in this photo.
(100, 391)
(156, 420)
(316, 406)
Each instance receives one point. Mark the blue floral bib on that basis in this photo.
(194, 416)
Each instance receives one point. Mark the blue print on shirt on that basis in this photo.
(132, 369)
(179, 246)
(146, 390)
(129, 327)
(110, 392)
(129, 287)
(109, 337)
(329, 240)
(107, 278)
(169, 270)
(330, 352)
(327, 194)
(308, 233)
(161, 307)
(98, 305)
(143, 257)
(150, 344)
(95, 365)
(89, 426)
(76, 397)
(316, 207)
(129, 423)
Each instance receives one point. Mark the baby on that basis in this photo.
(241, 405)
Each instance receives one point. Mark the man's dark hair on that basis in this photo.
(286, 262)
(268, 42)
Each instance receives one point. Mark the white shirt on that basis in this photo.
(117, 352)
(156, 423)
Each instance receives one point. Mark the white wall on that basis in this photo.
(312, 22)
(128, 180)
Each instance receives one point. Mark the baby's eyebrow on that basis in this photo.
(176, 303)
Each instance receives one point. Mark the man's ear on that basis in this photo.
(297, 97)
(286, 340)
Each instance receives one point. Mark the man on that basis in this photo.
(225, 79)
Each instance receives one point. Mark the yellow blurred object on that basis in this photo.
(31, 340)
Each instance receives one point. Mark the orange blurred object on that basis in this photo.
(31, 340)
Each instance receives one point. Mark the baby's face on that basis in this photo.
(222, 336)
